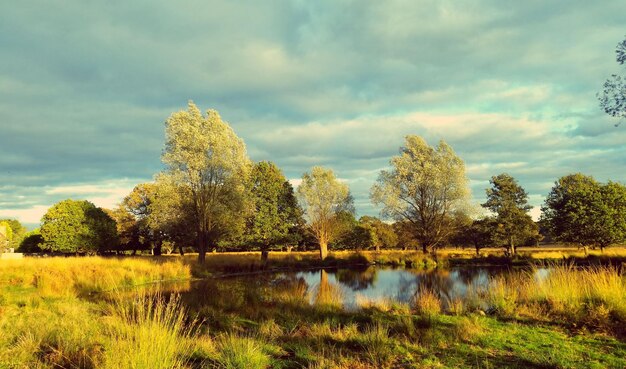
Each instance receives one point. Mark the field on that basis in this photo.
(90, 313)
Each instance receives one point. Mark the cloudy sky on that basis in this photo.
(85, 88)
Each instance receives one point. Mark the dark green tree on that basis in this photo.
(275, 208)
(583, 211)
(32, 242)
(509, 201)
(72, 226)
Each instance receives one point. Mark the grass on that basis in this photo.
(53, 315)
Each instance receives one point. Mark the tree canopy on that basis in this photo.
(17, 230)
(425, 187)
(77, 226)
(581, 210)
(208, 164)
(509, 201)
(274, 205)
(324, 198)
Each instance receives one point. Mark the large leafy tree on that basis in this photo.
(275, 207)
(581, 210)
(509, 202)
(208, 164)
(613, 95)
(426, 187)
(324, 198)
(77, 226)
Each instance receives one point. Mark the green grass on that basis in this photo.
(51, 316)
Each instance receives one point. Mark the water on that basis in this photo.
(349, 288)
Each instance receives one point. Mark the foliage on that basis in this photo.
(509, 201)
(77, 226)
(277, 215)
(18, 232)
(425, 187)
(32, 242)
(581, 210)
(478, 233)
(208, 165)
(381, 235)
(323, 198)
(613, 95)
(134, 217)
(6, 235)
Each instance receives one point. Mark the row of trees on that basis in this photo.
(210, 195)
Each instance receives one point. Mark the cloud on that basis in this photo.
(85, 88)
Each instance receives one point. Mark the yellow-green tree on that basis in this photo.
(208, 163)
(425, 189)
(324, 198)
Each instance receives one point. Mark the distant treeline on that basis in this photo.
(212, 197)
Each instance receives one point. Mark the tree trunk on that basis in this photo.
(202, 247)
(323, 250)
(377, 248)
(477, 249)
(180, 250)
(265, 253)
(289, 248)
(425, 248)
(157, 251)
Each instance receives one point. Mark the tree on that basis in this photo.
(478, 233)
(581, 210)
(137, 228)
(208, 164)
(323, 198)
(18, 232)
(425, 187)
(77, 226)
(127, 229)
(509, 201)
(382, 234)
(32, 242)
(6, 235)
(613, 95)
(275, 207)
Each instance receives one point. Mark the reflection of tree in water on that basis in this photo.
(289, 288)
(357, 279)
(327, 293)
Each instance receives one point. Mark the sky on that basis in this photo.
(86, 86)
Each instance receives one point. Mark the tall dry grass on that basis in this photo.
(582, 294)
(77, 276)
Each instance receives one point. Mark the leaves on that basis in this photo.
(425, 187)
(77, 226)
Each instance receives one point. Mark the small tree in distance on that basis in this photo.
(323, 198)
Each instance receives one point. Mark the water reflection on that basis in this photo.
(337, 288)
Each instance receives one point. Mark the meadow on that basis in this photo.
(137, 313)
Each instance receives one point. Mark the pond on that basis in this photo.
(346, 288)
